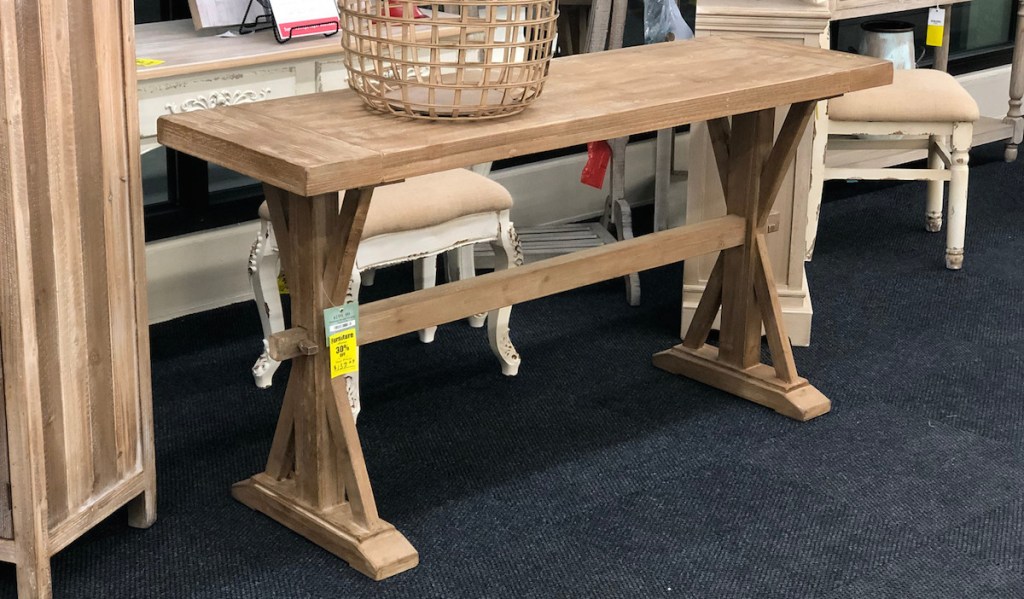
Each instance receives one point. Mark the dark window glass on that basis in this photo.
(981, 34)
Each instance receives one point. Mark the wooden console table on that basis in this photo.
(307, 149)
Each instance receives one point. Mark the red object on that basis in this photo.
(397, 11)
(599, 154)
(308, 27)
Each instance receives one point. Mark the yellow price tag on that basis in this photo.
(936, 26)
(147, 62)
(344, 353)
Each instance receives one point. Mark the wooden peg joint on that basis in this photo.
(291, 343)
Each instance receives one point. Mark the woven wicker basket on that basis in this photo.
(481, 59)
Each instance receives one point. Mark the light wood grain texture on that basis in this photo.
(23, 382)
(798, 400)
(771, 314)
(142, 509)
(93, 182)
(797, 22)
(378, 553)
(75, 365)
(291, 343)
(848, 9)
(387, 318)
(748, 150)
(316, 481)
(718, 129)
(8, 551)
(707, 309)
(354, 147)
(6, 515)
(742, 283)
(782, 156)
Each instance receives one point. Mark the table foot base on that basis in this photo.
(798, 400)
(378, 553)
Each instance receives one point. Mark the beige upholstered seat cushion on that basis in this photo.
(916, 95)
(420, 202)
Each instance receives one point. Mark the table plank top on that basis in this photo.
(327, 142)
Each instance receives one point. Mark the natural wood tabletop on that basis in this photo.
(329, 141)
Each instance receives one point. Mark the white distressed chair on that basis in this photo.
(414, 220)
(922, 109)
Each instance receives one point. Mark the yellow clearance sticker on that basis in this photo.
(936, 25)
(147, 62)
(344, 353)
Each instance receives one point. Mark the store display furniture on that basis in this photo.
(923, 109)
(415, 220)
(76, 423)
(307, 148)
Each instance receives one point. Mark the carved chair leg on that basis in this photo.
(617, 211)
(352, 379)
(624, 227)
(264, 266)
(507, 254)
(460, 263)
(425, 277)
(956, 217)
(933, 214)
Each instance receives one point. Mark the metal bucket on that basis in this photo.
(891, 40)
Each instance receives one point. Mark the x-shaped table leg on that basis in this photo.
(742, 284)
(316, 481)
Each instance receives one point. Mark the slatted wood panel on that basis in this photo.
(75, 360)
(6, 521)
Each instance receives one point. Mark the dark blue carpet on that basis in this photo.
(593, 474)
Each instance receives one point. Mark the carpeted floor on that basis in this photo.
(593, 474)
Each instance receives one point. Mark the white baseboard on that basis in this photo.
(199, 272)
(207, 270)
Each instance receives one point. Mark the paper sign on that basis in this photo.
(936, 25)
(344, 353)
(340, 326)
(297, 18)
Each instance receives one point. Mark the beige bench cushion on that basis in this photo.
(420, 202)
(917, 95)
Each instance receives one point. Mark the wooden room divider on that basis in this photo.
(76, 434)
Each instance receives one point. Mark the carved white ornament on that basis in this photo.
(221, 98)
